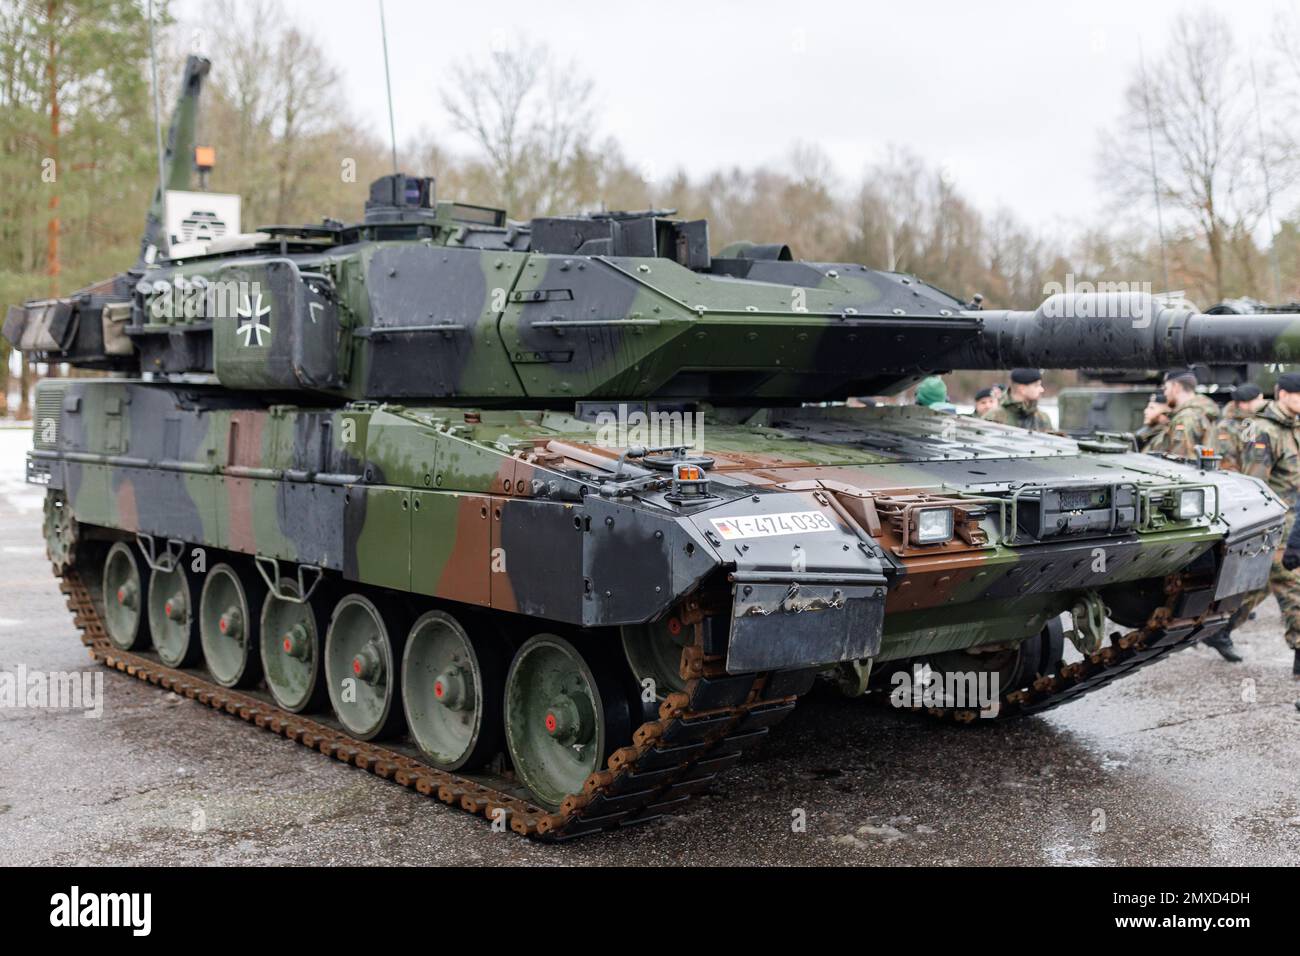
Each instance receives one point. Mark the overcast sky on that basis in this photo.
(1011, 97)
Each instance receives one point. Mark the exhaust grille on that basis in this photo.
(49, 409)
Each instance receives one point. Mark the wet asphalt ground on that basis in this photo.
(1191, 761)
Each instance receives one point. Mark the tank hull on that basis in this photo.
(800, 556)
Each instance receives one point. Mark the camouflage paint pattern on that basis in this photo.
(401, 403)
(497, 508)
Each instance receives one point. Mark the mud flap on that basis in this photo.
(1246, 563)
(804, 623)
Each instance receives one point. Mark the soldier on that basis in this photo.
(1155, 422)
(985, 402)
(1247, 400)
(1019, 405)
(1191, 418)
(1271, 451)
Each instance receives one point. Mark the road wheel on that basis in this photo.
(564, 713)
(361, 653)
(654, 653)
(227, 628)
(125, 598)
(452, 691)
(293, 656)
(1016, 667)
(173, 620)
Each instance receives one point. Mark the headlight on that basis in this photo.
(933, 525)
(1191, 504)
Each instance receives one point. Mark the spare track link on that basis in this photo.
(1125, 654)
(698, 733)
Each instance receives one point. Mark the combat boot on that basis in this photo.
(1222, 642)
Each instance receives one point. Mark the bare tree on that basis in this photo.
(276, 97)
(887, 211)
(531, 118)
(1197, 103)
(1286, 40)
(308, 89)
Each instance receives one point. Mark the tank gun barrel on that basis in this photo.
(1125, 331)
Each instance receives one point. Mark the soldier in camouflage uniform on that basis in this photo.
(1271, 451)
(1191, 419)
(1247, 401)
(1155, 422)
(1019, 406)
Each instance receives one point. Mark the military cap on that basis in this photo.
(1246, 392)
(1183, 376)
(1026, 376)
(1289, 381)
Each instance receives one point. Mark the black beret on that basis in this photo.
(1246, 392)
(1026, 376)
(1289, 381)
(984, 393)
(1184, 376)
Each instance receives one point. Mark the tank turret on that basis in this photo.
(440, 300)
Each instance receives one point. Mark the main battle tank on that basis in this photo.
(555, 520)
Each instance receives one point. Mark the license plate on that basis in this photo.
(767, 526)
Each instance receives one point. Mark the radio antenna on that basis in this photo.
(1155, 179)
(1268, 185)
(157, 112)
(392, 127)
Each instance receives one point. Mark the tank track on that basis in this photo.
(699, 733)
(1126, 654)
